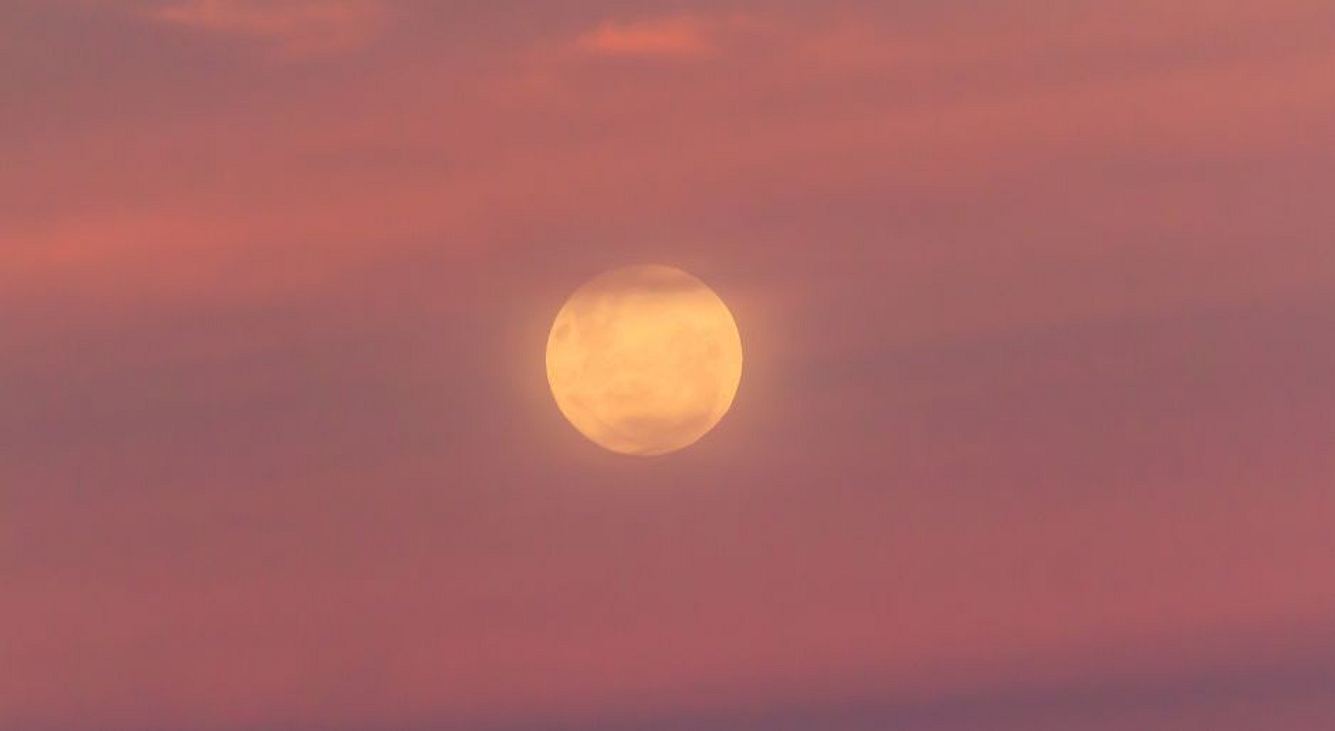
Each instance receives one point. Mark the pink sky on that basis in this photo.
(1035, 431)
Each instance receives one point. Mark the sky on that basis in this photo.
(1037, 301)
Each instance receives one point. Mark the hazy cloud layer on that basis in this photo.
(297, 27)
(1034, 431)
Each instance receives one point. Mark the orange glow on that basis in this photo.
(644, 360)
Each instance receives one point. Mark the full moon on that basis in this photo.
(644, 360)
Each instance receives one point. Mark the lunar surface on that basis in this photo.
(644, 360)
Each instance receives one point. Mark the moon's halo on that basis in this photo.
(644, 360)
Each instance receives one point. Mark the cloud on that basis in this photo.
(677, 37)
(296, 27)
(278, 452)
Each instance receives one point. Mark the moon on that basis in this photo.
(644, 360)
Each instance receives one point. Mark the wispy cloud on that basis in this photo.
(295, 27)
(674, 37)
(276, 448)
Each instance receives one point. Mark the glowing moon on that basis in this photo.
(644, 360)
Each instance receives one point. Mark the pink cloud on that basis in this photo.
(1043, 322)
(296, 27)
(675, 37)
